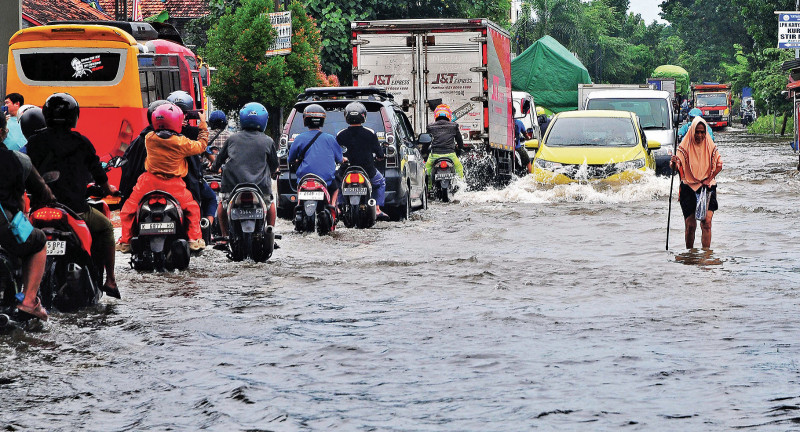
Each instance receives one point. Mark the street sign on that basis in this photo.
(282, 22)
(788, 29)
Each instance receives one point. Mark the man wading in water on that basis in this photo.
(698, 162)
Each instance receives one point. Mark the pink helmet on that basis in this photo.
(169, 117)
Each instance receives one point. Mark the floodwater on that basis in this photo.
(529, 307)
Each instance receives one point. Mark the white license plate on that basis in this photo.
(354, 191)
(56, 247)
(311, 196)
(157, 228)
(240, 213)
(444, 176)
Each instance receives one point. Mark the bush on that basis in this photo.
(763, 125)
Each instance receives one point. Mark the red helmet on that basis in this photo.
(169, 117)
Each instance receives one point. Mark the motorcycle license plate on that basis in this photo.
(444, 176)
(311, 196)
(240, 213)
(56, 247)
(155, 228)
(354, 191)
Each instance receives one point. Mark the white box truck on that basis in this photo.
(464, 63)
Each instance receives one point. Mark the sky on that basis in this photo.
(648, 9)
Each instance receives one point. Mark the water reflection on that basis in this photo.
(702, 258)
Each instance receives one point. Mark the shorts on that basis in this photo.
(35, 242)
(688, 199)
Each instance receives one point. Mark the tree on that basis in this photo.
(237, 46)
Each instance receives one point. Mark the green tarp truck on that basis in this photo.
(550, 73)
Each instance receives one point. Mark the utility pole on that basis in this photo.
(10, 23)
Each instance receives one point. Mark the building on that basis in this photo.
(40, 12)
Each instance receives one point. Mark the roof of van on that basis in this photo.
(628, 94)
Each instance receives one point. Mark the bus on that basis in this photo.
(113, 76)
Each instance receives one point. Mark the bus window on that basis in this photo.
(198, 97)
(70, 66)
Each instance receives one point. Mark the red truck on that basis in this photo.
(715, 102)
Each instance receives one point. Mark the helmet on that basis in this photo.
(539, 111)
(253, 116)
(182, 100)
(169, 117)
(217, 120)
(314, 116)
(152, 107)
(443, 111)
(31, 121)
(61, 110)
(355, 113)
(694, 112)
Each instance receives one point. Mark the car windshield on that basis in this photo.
(335, 123)
(712, 99)
(653, 113)
(591, 132)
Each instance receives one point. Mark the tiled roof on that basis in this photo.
(176, 8)
(42, 11)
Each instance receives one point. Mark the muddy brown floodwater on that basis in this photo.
(555, 308)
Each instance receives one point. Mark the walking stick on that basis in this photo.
(671, 181)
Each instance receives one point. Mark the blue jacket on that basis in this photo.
(320, 159)
(519, 129)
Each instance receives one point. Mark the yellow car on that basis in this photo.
(592, 145)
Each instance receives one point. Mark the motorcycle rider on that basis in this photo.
(135, 154)
(361, 143)
(59, 148)
(694, 112)
(17, 175)
(321, 156)
(519, 140)
(249, 156)
(447, 141)
(165, 166)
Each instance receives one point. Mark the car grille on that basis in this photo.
(590, 172)
(713, 112)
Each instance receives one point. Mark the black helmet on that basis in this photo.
(182, 99)
(152, 107)
(314, 116)
(61, 110)
(32, 121)
(355, 113)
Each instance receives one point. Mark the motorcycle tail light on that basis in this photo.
(443, 164)
(311, 184)
(158, 200)
(214, 186)
(245, 199)
(48, 214)
(355, 178)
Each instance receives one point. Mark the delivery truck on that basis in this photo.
(714, 100)
(464, 63)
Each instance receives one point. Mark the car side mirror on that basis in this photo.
(532, 144)
(424, 138)
(526, 106)
(653, 145)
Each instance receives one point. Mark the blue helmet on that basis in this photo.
(254, 116)
(695, 112)
(217, 120)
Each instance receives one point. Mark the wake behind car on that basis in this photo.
(403, 167)
(593, 145)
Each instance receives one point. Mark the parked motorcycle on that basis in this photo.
(444, 176)
(313, 208)
(159, 240)
(249, 236)
(356, 202)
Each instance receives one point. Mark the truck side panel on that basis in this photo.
(498, 51)
(386, 60)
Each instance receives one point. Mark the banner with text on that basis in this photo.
(282, 22)
(788, 30)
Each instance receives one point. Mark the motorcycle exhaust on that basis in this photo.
(371, 202)
(204, 223)
(4, 320)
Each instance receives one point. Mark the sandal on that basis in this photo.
(36, 310)
(111, 291)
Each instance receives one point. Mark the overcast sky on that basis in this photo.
(648, 8)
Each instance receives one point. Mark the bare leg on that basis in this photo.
(705, 227)
(33, 270)
(691, 228)
(111, 279)
(223, 220)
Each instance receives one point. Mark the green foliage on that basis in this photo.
(764, 124)
(770, 81)
(237, 45)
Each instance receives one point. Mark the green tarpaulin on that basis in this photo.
(677, 72)
(550, 73)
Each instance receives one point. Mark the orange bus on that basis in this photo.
(113, 77)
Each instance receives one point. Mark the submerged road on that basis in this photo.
(528, 307)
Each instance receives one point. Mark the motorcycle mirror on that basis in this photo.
(425, 138)
(344, 149)
(51, 176)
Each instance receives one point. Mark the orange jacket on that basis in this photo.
(167, 157)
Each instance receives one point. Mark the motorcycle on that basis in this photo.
(356, 203)
(159, 240)
(313, 208)
(96, 197)
(211, 231)
(444, 176)
(249, 236)
(748, 116)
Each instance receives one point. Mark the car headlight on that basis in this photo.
(546, 164)
(630, 165)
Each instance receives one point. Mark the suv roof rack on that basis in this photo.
(370, 92)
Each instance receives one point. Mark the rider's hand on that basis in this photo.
(345, 160)
(110, 189)
(202, 116)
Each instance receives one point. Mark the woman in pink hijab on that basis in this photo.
(698, 162)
